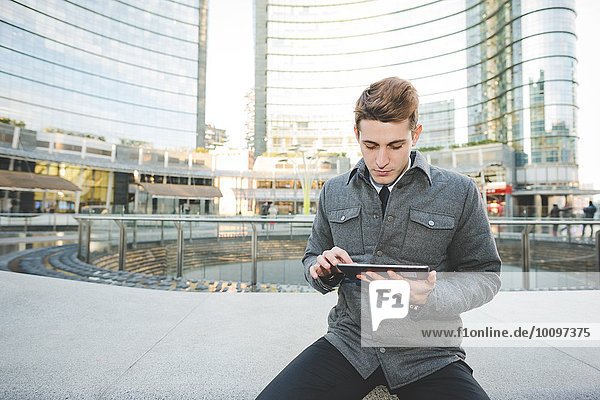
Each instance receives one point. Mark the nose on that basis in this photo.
(382, 159)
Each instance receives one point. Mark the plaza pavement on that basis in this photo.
(64, 339)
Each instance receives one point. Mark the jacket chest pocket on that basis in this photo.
(427, 237)
(346, 229)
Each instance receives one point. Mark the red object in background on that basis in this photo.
(499, 190)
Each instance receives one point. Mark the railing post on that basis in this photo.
(109, 233)
(597, 249)
(122, 245)
(134, 245)
(179, 226)
(190, 231)
(162, 233)
(83, 252)
(254, 278)
(525, 247)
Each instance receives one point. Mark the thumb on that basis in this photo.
(432, 277)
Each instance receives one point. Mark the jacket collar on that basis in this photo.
(418, 161)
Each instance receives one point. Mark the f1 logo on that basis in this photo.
(388, 299)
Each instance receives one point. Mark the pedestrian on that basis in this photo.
(393, 207)
(555, 213)
(588, 212)
(273, 210)
(264, 210)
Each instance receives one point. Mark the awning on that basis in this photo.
(168, 190)
(30, 182)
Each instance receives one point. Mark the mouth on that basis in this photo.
(381, 172)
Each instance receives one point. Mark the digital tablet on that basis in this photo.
(407, 271)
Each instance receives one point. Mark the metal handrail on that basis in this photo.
(303, 218)
(192, 218)
(85, 221)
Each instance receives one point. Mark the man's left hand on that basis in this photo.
(419, 288)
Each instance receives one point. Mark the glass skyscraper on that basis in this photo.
(314, 58)
(113, 69)
(487, 71)
(522, 82)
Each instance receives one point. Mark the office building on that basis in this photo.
(522, 86)
(313, 60)
(437, 119)
(115, 69)
(487, 72)
(214, 137)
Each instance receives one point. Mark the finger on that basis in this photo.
(323, 272)
(394, 275)
(317, 271)
(331, 258)
(313, 272)
(374, 275)
(328, 265)
(322, 261)
(432, 278)
(342, 255)
(363, 278)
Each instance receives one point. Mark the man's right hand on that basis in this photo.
(327, 262)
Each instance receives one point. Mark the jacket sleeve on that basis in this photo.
(320, 239)
(474, 260)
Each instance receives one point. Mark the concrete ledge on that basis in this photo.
(67, 339)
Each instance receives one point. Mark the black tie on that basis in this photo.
(384, 195)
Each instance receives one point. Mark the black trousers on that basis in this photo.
(322, 372)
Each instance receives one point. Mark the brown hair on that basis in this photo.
(388, 100)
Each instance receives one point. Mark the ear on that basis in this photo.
(357, 134)
(416, 133)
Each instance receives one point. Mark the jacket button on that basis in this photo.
(382, 349)
(431, 223)
(375, 216)
(390, 218)
(379, 253)
(344, 217)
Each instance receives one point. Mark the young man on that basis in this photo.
(393, 208)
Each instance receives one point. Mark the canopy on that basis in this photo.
(181, 191)
(30, 182)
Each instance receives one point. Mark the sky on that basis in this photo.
(230, 75)
(229, 65)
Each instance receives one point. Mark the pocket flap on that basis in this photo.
(343, 215)
(432, 220)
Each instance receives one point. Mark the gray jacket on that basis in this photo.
(434, 217)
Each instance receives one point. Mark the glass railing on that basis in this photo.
(23, 231)
(537, 254)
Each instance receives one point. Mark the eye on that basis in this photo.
(370, 146)
(396, 147)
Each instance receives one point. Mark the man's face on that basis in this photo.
(385, 147)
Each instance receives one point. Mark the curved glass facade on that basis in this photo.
(114, 69)
(522, 79)
(486, 70)
(320, 57)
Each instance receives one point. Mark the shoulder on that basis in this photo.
(443, 176)
(337, 182)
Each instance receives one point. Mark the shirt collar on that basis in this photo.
(417, 161)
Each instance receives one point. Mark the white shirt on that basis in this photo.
(378, 187)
